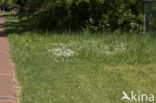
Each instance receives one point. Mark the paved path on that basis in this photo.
(7, 90)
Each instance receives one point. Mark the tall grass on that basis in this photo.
(81, 67)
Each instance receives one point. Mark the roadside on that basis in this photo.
(7, 90)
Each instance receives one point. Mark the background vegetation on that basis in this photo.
(150, 9)
(92, 15)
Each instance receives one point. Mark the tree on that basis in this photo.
(80, 14)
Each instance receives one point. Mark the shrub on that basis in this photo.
(93, 15)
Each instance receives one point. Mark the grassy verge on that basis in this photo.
(80, 68)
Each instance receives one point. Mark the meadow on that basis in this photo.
(80, 67)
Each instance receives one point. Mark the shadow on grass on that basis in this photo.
(9, 15)
(13, 26)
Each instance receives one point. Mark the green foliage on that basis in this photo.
(150, 16)
(93, 15)
(8, 3)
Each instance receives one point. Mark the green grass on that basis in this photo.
(80, 67)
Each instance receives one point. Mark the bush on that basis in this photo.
(93, 15)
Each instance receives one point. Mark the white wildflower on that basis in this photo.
(61, 52)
